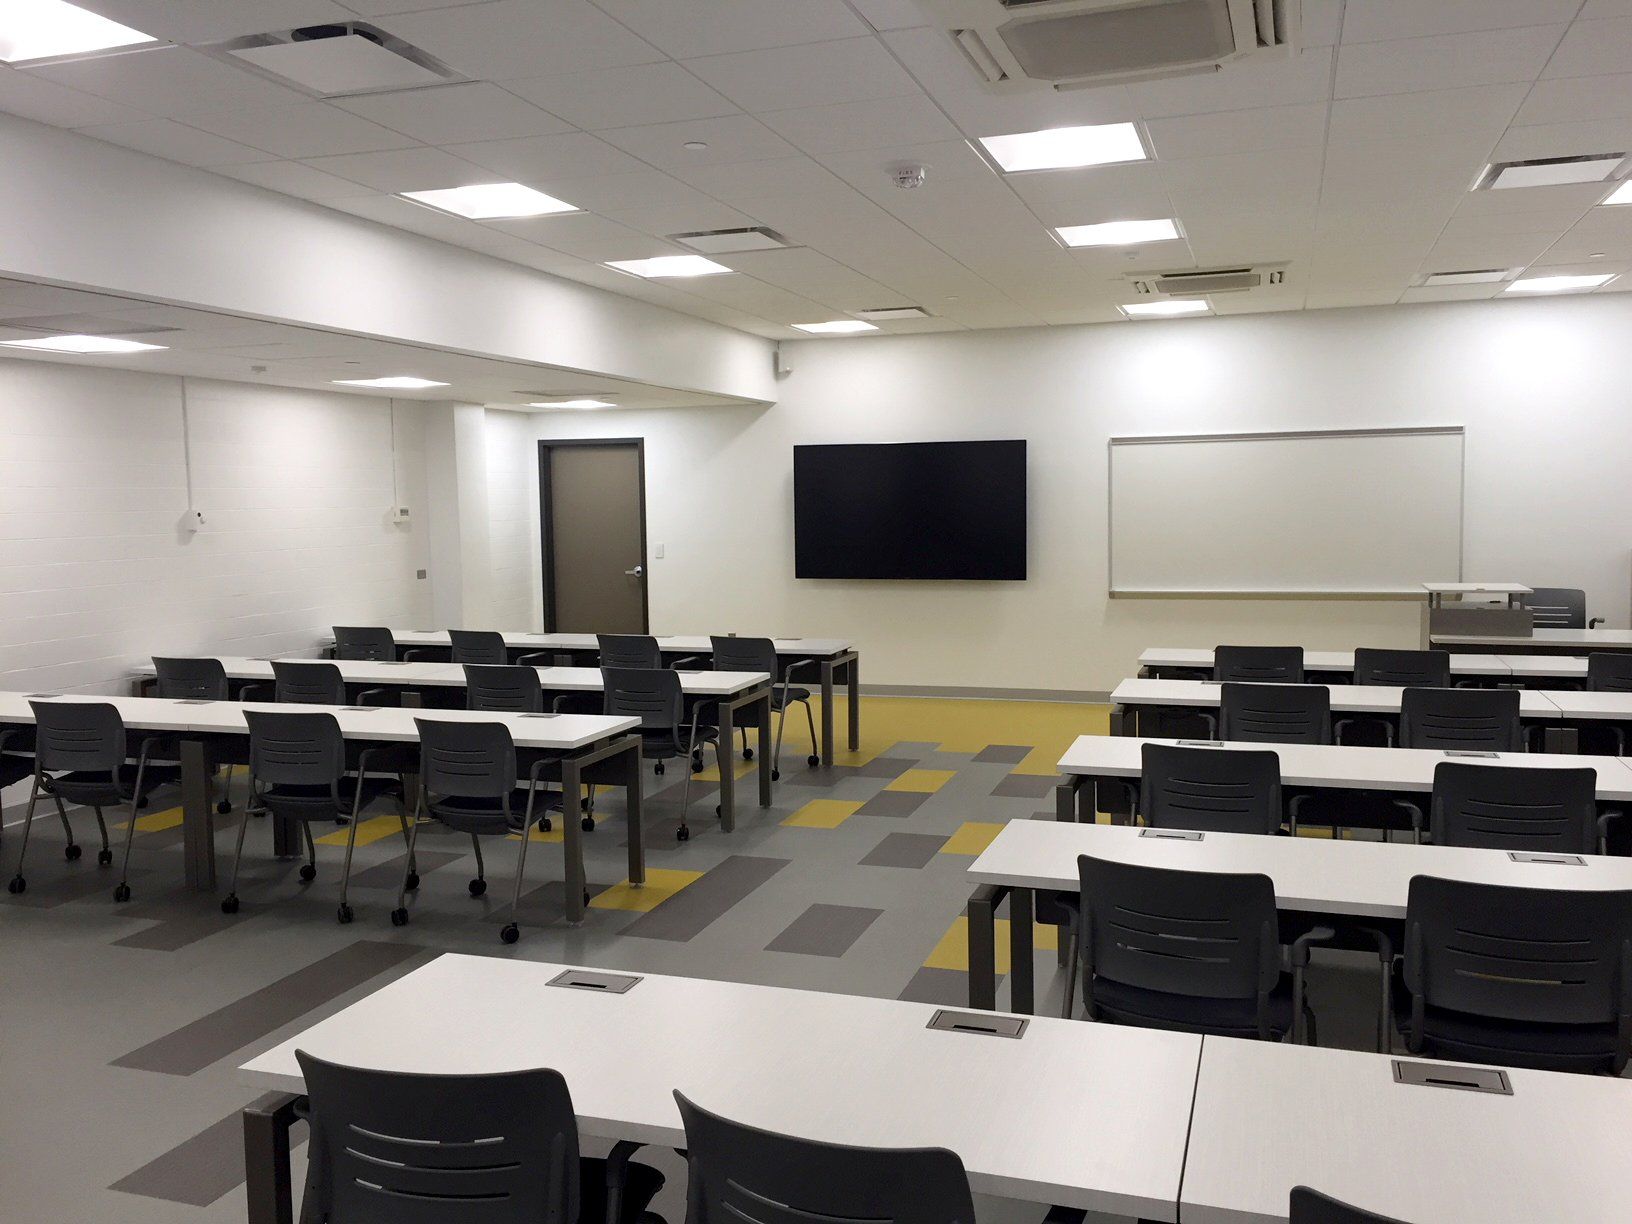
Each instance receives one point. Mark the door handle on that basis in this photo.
(637, 572)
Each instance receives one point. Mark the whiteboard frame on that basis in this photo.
(1401, 593)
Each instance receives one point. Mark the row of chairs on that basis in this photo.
(387, 1146)
(1607, 671)
(1454, 719)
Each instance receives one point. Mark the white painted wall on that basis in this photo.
(514, 594)
(296, 485)
(1540, 385)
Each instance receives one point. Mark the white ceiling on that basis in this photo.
(203, 344)
(1351, 162)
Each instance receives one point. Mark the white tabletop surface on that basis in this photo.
(1030, 1118)
(1323, 661)
(1476, 588)
(1360, 878)
(1537, 667)
(1269, 1117)
(689, 643)
(138, 713)
(1593, 705)
(1342, 766)
(1345, 698)
(1585, 639)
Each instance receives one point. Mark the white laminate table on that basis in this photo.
(1270, 1117)
(1081, 1115)
(1157, 659)
(1542, 641)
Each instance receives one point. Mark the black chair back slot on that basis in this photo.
(633, 650)
(1403, 668)
(466, 760)
(1258, 664)
(190, 679)
(653, 695)
(1275, 713)
(1609, 672)
(1557, 607)
(1211, 789)
(78, 737)
(288, 749)
(370, 643)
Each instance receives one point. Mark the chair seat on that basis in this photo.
(486, 815)
(98, 789)
(318, 803)
(779, 698)
(661, 744)
(1125, 1004)
(1459, 1036)
(640, 1186)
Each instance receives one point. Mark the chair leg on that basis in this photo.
(478, 886)
(18, 884)
(815, 757)
(776, 754)
(399, 916)
(121, 891)
(70, 849)
(684, 833)
(229, 903)
(1071, 975)
(512, 930)
(104, 856)
(343, 914)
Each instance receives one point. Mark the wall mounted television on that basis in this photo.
(915, 510)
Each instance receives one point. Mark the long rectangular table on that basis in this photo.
(592, 747)
(1542, 641)
(835, 659)
(1027, 1116)
(1159, 662)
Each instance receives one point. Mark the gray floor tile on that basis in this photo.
(944, 986)
(825, 930)
(1024, 786)
(1003, 754)
(885, 767)
(895, 804)
(913, 850)
(199, 1171)
(689, 912)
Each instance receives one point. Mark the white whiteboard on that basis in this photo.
(1358, 513)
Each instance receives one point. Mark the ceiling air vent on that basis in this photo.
(1078, 43)
(727, 241)
(339, 59)
(1206, 281)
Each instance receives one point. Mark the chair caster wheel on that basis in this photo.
(71, 853)
(717, 811)
(122, 893)
(658, 768)
(308, 873)
(343, 914)
(399, 917)
(142, 803)
(104, 858)
(682, 834)
(17, 885)
(696, 765)
(510, 933)
(412, 882)
(229, 904)
(747, 754)
(223, 808)
(776, 775)
(477, 887)
(546, 825)
(813, 760)
(587, 824)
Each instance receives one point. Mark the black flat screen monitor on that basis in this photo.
(925, 510)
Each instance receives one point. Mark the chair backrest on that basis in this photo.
(1469, 720)
(629, 650)
(742, 1175)
(1276, 713)
(1502, 807)
(84, 736)
(308, 683)
(288, 749)
(482, 646)
(1211, 789)
(466, 760)
(394, 1148)
(1522, 955)
(507, 688)
(1557, 607)
(1609, 672)
(191, 679)
(746, 655)
(1258, 664)
(364, 642)
(1312, 1207)
(650, 694)
(1403, 668)
(1198, 933)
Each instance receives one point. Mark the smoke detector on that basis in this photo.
(907, 176)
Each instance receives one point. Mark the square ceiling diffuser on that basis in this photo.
(1549, 171)
(339, 60)
(727, 241)
(886, 313)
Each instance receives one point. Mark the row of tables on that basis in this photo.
(1157, 660)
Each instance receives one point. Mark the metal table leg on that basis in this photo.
(982, 919)
(1124, 720)
(197, 817)
(572, 835)
(267, 1183)
(826, 748)
(727, 761)
(765, 752)
(632, 801)
(1022, 973)
(853, 675)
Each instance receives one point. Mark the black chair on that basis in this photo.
(301, 683)
(396, 1148)
(1196, 952)
(1258, 664)
(206, 680)
(82, 755)
(1212, 789)
(1403, 668)
(298, 773)
(654, 696)
(503, 689)
(1518, 977)
(1610, 672)
(478, 646)
(631, 650)
(364, 643)
(1559, 608)
(1461, 720)
(740, 1174)
(1312, 1207)
(467, 782)
(1275, 713)
(759, 655)
(1504, 807)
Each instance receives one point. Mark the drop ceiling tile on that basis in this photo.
(728, 138)
(537, 159)
(624, 97)
(1377, 20)
(811, 274)
(1278, 127)
(1465, 224)
(862, 125)
(741, 183)
(719, 26)
(45, 101)
(1489, 57)
(1490, 250)
(588, 237)
(1564, 140)
(293, 178)
(891, 14)
(1450, 293)
(1307, 77)
(518, 39)
(1480, 113)
(815, 74)
(173, 141)
(449, 114)
(307, 129)
(1530, 199)
(396, 170)
(1577, 99)
(636, 188)
(1593, 48)
(205, 21)
(945, 161)
(1322, 22)
(660, 220)
(167, 81)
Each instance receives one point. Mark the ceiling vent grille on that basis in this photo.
(1207, 281)
(339, 60)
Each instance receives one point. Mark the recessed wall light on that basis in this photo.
(1549, 171)
(835, 327)
(1064, 148)
(490, 201)
(82, 344)
(1621, 194)
(1559, 284)
(1118, 233)
(572, 403)
(669, 265)
(1478, 276)
(396, 382)
(47, 29)
(1165, 309)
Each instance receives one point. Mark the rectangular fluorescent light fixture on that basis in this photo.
(669, 265)
(1549, 171)
(48, 29)
(1166, 309)
(1621, 194)
(490, 201)
(1064, 148)
(572, 403)
(1480, 276)
(396, 382)
(886, 313)
(724, 242)
(1559, 284)
(82, 344)
(835, 327)
(1118, 233)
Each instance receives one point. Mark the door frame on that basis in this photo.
(546, 542)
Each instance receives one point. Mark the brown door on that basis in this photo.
(594, 536)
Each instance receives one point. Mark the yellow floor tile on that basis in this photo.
(711, 773)
(952, 952)
(368, 831)
(822, 814)
(966, 725)
(922, 781)
(661, 884)
(972, 837)
(153, 822)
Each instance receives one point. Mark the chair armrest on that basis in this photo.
(375, 693)
(1293, 806)
(1417, 816)
(787, 676)
(527, 659)
(1607, 818)
(1211, 720)
(410, 656)
(1300, 962)
(1595, 622)
(689, 659)
(617, 1172)
(257, 692)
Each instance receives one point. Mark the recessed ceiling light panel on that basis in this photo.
(1118, 233)
(669, 265)
(885, 314)
(1479, 276)
(724, 242)
(51, 29)
(1066, 148)
(1166, 310)
(1559, 284)
(1621, 194)
(395, 382)
(835, 327)
(490, 201)
(1549, 171)
(82, 344)
(572, 403)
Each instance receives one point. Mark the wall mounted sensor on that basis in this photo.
(192, 522)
